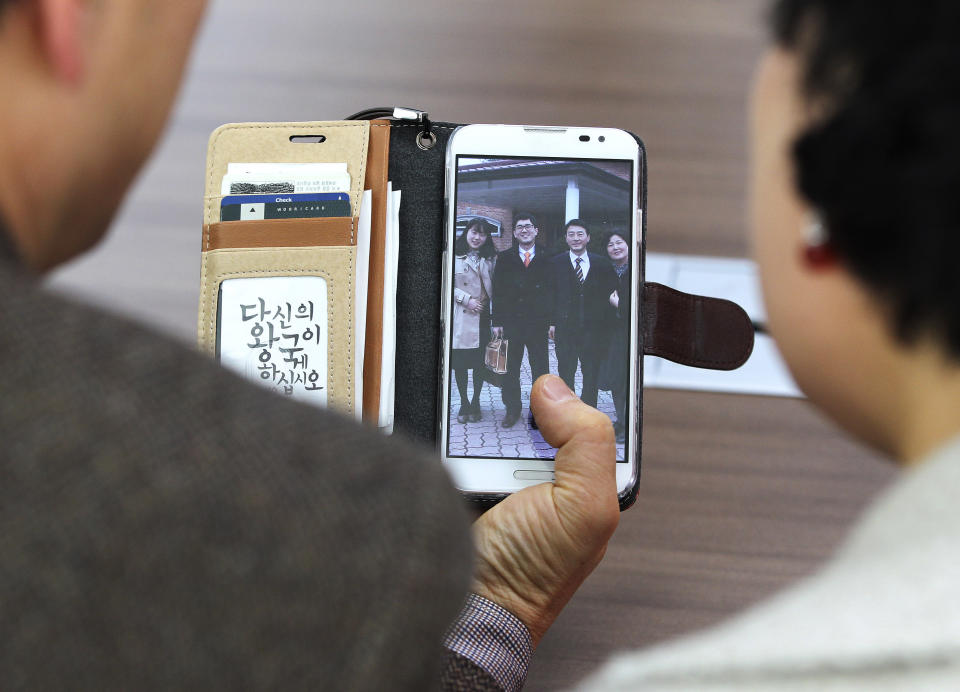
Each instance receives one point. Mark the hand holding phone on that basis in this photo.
(536, 547)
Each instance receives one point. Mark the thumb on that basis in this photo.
(585, 489)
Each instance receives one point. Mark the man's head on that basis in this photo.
(577, 235)
(525, 229)
(854, 123)
(88, 86)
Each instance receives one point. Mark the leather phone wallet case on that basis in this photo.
(693, 330)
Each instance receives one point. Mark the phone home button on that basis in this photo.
(524, 475)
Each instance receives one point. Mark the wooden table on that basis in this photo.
(740, 495)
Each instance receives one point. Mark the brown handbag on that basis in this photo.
(495, 356)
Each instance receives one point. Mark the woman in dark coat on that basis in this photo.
(615, 371)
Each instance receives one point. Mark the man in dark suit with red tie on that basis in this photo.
(582, 316)
(521, 308)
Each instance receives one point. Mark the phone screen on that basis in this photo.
(542, 278)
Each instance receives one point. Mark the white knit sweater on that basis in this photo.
(884, 614)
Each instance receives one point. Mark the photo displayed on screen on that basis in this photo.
(541, 284)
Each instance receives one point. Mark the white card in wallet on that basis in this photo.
(274, 331)
(391, 260)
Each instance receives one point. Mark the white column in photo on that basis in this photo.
(573, 199)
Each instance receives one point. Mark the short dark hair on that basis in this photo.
(488, 249)
(608, 236)
(576, 222)
(521, 215)
(881, 167)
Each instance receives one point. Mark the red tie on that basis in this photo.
(526, 259)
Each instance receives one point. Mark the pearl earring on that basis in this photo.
(818, 252)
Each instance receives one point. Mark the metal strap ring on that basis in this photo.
(426, 140)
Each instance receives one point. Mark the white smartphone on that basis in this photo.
(542, 269)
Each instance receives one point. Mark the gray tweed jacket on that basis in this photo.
(166, 525)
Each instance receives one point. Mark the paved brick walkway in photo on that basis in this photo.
(487, 438)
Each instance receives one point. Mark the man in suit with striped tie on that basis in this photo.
(582, 315)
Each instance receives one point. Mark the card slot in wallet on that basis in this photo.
(336, 208)
(311, 232)
(339, 142)
(334, 264)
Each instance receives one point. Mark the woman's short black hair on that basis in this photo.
(883, 166)
(608, 235)
(488, 249)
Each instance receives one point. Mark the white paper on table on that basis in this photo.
(659, 268)
(360, 300)
(734, 279)
(259, 316)
(388, 360)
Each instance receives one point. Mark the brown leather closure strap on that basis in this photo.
(702, 332)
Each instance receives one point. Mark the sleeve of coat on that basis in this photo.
(497, 290)
(553, 286)
(459, 673)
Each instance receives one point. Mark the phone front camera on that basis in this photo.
(602, 138)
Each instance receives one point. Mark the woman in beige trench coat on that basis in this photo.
(474, 256)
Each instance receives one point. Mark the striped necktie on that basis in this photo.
(526, 259)
(579, 270)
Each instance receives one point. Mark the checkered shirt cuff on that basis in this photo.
(494, 639)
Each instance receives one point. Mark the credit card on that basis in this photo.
(310, 197)
(265, 207)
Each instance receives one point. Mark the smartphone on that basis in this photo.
(542, 266)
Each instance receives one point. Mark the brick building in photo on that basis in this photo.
(555, 191)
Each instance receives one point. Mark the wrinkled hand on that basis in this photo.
(474, 306)
(552, 333)
(497, 332)
(535, 548)
(615, 299)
